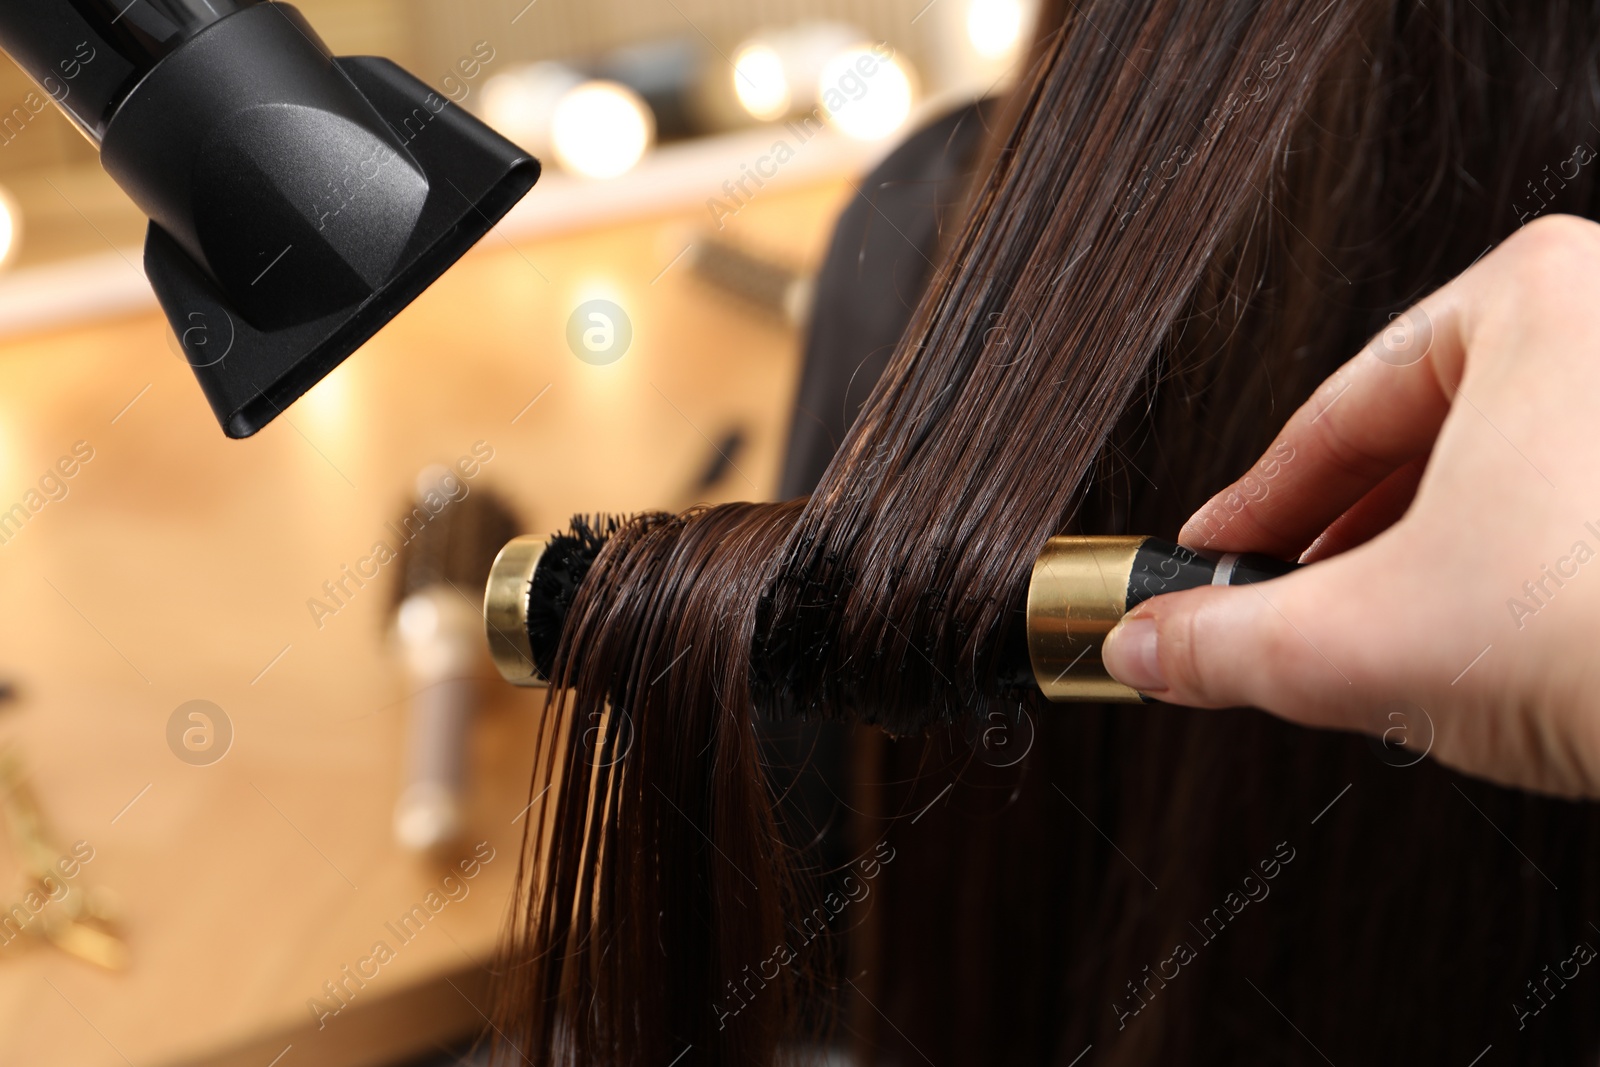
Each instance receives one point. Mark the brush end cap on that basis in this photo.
(505, 610)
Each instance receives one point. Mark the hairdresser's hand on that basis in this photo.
(1448, 479)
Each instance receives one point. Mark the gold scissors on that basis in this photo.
(76, 920)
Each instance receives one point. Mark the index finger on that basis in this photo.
(1378, 412)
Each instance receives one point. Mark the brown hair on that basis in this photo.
(1193, 213)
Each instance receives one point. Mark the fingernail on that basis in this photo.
(1130, 655)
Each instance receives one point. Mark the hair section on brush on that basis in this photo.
(655, 889)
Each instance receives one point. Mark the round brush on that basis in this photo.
(451, 534)
(1080, 588)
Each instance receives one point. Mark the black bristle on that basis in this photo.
(450, 540)
(562, 568)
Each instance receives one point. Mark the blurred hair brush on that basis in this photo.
(451, 535)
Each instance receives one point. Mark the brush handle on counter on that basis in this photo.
(439, 632)
(429, 812)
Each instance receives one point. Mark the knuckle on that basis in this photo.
(1342, 454)
(1558, 234)
(1546, 255)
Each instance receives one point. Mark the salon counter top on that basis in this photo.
(174, 565)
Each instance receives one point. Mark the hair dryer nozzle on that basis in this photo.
(298, 202)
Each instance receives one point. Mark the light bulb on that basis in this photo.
(760, 83)
(519, 102)
(601, 129)
(10, 227)
(865, 95)
(994, 26)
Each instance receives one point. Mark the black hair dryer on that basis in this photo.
(297, 201)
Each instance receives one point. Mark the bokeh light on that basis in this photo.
(601, 129)
(10, 227)
(520, 102)
(995, 26)
(880, 106)
(760, 82)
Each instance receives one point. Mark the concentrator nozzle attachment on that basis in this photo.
(297, 201)
(1080, 588)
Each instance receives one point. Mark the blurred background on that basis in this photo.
(213, 848)
(677, 59)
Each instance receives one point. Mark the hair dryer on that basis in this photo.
(297, 201)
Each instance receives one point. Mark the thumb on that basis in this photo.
(1217, 647)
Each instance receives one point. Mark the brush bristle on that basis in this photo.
(562, 568)
(455, 545)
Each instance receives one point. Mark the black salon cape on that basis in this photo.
(878, 263)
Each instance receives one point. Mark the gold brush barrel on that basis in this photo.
(1078, 593)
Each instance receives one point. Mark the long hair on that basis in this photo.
(1191, 214)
